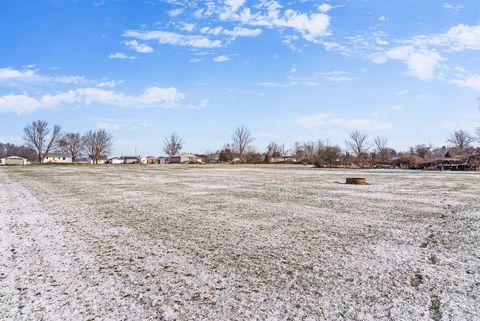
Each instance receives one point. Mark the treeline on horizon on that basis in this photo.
(42, 140)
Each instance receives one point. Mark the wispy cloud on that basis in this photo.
(221, 58)
(453, 8)
(471, 81)
(151, 97)
(421, 63)
(270, 14)
(172, 38)
(329, 119)
(138, 47)
(12, 76)
(120, 55)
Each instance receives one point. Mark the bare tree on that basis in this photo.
(328, 154)
(97, 144)
(383, 153)
(422, 151)
(36, 134)
(358, 143)
(241, 139)
(273, 150)
(381, 143)
(173, 144)
(309, 149)
(71, 144)
(461, 139)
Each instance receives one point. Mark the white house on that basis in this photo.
(115, 161)
(101, 160)
(57, 159)
(13, 160)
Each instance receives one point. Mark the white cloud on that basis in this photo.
(337, 76)
(452, 7)
(320, 120)
(421, 63)
(175, 12)
(397, 108)
(325, 7)
(314, 120)
(109, 83)
(383, 19)
(171, 38)
(119, 55)
(458, 38)
(472, 81)
(189, 27)
(18, 104)
(138, 47)
(221, 58)
(151, 97)
(204, 103)
(121, 123)
(10, 76)
(9, 73)
(234, 33)
(310, 25)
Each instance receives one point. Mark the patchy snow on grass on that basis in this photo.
(218, 243)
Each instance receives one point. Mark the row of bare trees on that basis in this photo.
(42, 140)
(45, 140)
(359, 149)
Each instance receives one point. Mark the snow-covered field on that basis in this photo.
(224, 243)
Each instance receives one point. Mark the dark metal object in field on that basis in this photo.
(356, 181)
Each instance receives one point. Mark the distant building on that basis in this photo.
(161, 160)
(182, 159)
(115, 161)
(152, 160)
(130, 159)
(13, 161)
(57, 159)
(101, 160)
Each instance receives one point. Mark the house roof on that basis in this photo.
(14, 157)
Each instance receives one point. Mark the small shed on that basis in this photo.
(15, 161)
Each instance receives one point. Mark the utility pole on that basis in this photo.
(135, 151)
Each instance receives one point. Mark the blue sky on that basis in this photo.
(288, 70)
